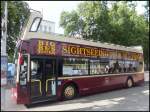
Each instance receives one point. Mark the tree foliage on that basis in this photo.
(119, 24)
(18, 13)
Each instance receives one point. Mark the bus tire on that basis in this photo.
(129, 82)
(69, 92)
(28, 105)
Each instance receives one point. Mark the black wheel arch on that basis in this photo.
(130, 77)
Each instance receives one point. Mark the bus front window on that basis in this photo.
(35, 24)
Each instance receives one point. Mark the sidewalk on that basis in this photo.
(146, 76)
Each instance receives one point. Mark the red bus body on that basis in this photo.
(36, 45)
(85, 84)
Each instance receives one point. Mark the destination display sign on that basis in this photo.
(45, 47)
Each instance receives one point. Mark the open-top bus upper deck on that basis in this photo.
(31, 32)
(50, 37)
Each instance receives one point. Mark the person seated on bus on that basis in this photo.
(106, 69)
(135, 69)
(110, 70)
(116, 67)
(113, 68)
(121, 68)
(124, 69)
(130, 69)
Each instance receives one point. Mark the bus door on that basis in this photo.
(43, 77)
(50, 77)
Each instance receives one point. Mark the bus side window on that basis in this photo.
(140, 66)
(36, 69)
(75, 66)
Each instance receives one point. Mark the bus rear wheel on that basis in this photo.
(129, 83)
(69, 92)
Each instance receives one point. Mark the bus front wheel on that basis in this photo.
(69, 92)
(129, 83)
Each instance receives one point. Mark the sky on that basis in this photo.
(52, 9)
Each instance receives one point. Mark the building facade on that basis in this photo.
(47, 26)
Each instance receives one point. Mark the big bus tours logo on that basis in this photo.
(46, 47)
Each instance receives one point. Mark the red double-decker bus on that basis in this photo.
(50, 67)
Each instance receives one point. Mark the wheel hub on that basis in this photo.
(129, 83)
(69, 91)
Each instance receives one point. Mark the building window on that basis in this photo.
(75, 66)
(49, 29)
(45, 28)
(40, 28)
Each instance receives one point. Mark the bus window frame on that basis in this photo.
(33, 23)
(67, 57)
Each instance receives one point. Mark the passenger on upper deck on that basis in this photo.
(107, 69)
(130, 69)
(116, 67)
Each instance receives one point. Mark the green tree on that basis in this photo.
(146, 40)
(18, 13)
(147, 10)
(123, 24)
(120, 24)
(86, 21)
(69, 21)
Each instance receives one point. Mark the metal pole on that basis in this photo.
(4, 58)
(6, 12)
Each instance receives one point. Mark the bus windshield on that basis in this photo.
(35, 24)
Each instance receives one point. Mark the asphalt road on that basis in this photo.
(132, 99)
